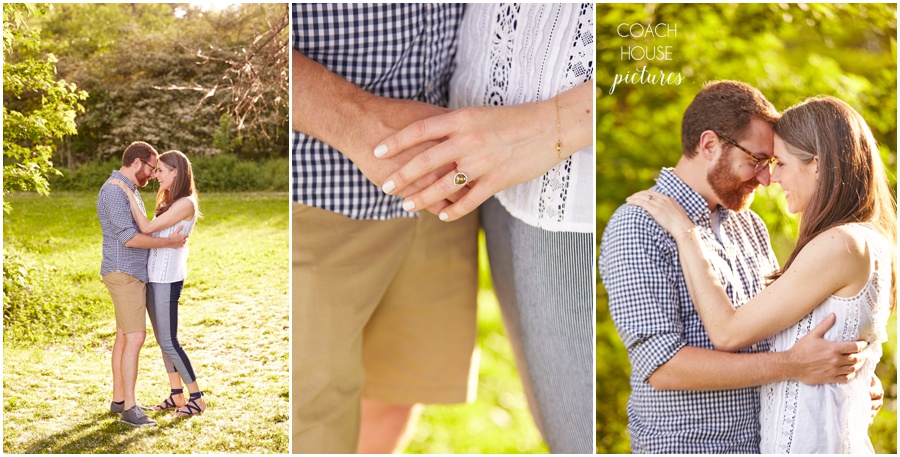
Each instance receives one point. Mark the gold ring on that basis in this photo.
(650, 197)
(460, 179)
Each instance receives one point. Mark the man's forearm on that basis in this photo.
(148, 242)
(326, 106)
(701, 369)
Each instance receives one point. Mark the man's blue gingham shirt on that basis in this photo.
(400, 51)
(117, 223)
(652, 309)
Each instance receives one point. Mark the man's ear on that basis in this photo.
(709, 145)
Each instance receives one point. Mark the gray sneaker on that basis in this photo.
(136, 417)
(118, 409)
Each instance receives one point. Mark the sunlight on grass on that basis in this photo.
(233, 322)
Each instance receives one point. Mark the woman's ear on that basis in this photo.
(816, 169)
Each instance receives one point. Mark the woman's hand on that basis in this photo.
(492, 148)
(120, 183)
(665, 210)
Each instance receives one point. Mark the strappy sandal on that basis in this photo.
(191, 408)
(170, 401)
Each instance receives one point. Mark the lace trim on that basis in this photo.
(501, 55)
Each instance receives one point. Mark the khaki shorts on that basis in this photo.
(381, 309)
(129, 296)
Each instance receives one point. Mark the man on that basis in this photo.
(686, 397)
(383, 299)
(124, 271)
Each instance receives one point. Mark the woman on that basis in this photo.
(827, 163)
(176, 210)
(521, 139)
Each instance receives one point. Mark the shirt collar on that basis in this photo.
(118, 175)
(694, 204)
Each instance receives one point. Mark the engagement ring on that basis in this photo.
(460, 179)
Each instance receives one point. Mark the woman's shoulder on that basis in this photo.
(843, 246)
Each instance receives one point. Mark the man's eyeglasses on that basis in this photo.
(156, 169)
(761, 164)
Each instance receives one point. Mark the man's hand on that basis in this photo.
(176, 240)
(876, 391)
(815, 361)
(353, 121)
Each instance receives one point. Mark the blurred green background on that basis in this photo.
(789, 52)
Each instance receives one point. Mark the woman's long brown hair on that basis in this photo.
(852, 184)
(183, 185)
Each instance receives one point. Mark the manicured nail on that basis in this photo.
(388, 187)
(443, 216)
(409, 205)
(380, 150)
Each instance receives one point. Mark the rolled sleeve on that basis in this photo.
(636, 266)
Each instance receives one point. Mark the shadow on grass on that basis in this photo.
(104, 434)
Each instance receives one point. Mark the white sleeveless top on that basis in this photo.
(832, 418)
(167, 265)
(511, 54)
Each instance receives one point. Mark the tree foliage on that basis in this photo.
(790, 52)
(43, 108)
(166, 74)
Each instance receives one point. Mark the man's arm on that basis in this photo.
(353, 121)
(139, 240)
(812, 360)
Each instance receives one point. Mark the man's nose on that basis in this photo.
(765, 176)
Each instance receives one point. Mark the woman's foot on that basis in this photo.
(195, 405)
(175, 400)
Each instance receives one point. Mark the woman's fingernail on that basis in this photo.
(443, 216)
(380, 150)
(388, 187)
(409, 205)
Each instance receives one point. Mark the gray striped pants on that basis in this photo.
(162, 306)
(545, 285)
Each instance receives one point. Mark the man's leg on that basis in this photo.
(386, 428)
(418, 344)
(133, 343)
(341, 269)
(118, 349)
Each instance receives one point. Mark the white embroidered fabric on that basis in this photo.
(511, 54)
(832, 418)
(168, 265)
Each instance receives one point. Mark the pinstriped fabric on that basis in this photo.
(402, 51)
(162, 307)
(545, 284)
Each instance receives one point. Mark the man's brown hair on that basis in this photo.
(725, 107)
(137, 150)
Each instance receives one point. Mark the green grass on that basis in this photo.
(234, 323)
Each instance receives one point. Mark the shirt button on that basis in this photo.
(430, 86)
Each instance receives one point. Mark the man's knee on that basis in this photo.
(135, 339)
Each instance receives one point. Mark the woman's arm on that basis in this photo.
(139, 217)
(180, 210)
(495, 146)
(829, 263)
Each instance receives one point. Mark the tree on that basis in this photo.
(45, 108)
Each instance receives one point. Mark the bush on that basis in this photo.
(221, 173)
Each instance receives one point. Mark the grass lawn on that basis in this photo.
(233, 322)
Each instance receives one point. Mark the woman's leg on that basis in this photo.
(164, 318)
(546, 284)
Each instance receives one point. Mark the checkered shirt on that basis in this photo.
(652, 309)
(400, 51)
(117, 223)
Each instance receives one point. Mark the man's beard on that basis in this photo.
(142, 178)
(728, 187)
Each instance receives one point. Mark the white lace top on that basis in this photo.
(167, 265)
(511, 54)
(832, 418)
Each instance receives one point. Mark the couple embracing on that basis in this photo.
(388, 187)
(729, 352)
(144, 266)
